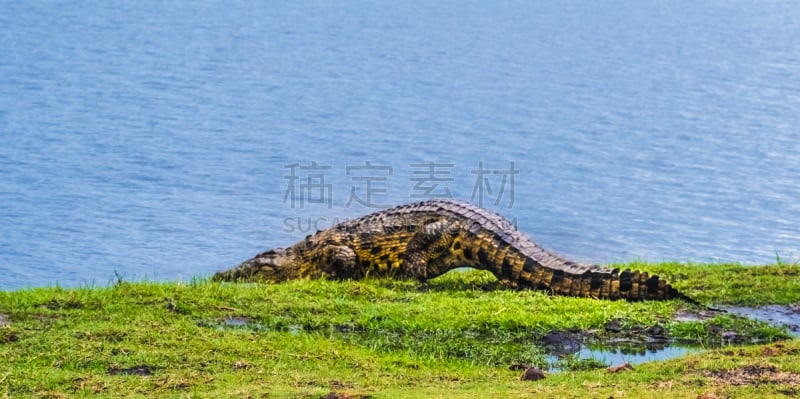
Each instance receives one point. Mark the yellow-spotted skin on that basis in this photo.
(426, 239)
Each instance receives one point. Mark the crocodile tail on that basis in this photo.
(602, 283)
(629, 285)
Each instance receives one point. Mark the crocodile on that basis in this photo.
(426, 239)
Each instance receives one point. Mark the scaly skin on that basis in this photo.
(426, 239)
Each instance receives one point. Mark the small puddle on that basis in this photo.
(778, 315)
(237, 321)
(565, 351)
(614, 357)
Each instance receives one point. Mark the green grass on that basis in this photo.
(456, 336)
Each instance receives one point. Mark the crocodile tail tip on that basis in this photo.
(681, 296)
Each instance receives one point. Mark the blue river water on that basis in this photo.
(168, 140)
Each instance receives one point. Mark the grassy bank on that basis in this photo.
(456, 336)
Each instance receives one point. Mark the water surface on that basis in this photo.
(153, 138)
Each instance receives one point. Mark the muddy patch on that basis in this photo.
(559, 343)
(755, 375)
(692, 315)
(344, 395)
(140, 370)
(253, 325)
(617, 331)
(7, 336)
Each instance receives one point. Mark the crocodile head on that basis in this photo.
(275, 265)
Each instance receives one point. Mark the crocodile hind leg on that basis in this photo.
(425, 253)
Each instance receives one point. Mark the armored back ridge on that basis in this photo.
(426, 239)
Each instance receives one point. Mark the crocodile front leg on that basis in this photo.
(339, 262)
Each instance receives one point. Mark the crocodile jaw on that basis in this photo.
(274, 265)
